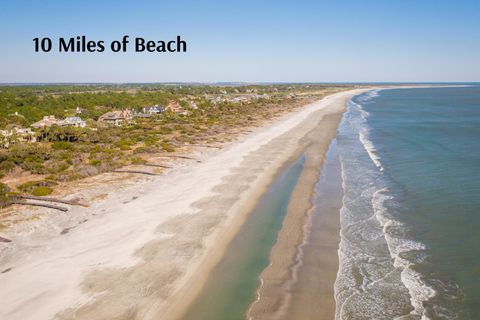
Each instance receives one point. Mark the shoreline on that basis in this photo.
(143, 252)
(297, 140)
(277, 279)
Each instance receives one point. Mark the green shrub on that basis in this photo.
(167, 147)
(3, 201)
(56, 167)
(137, 160)
(42, 191)
(95, 162)
(32, 186)
(150, 141)
(164, 130)
(4, 190)
(33, 165)
(62, 145)
(124, 147)
(7, 165)
(124, 144)
(139, 150)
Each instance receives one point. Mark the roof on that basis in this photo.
(116, 115)
(73, 119)
(142, 115)
(112, 115)
(156, 109)
(48, 122)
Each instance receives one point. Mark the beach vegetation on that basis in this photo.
(37, 187)
(207, 114)
(42, 191)
(167, 147)
(4, 195)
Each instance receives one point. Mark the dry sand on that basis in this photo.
(146, 251)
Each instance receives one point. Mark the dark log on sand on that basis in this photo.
(5, 240)
(202, 146)
(39, 204)
(156, 165)
(178, 156)
(136, 171)
(48, 199)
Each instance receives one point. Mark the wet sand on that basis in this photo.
(312, 295)
(283, 293)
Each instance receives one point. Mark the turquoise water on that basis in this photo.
(411, 217)
(231, 286)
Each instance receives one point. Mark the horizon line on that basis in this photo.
(231, 83)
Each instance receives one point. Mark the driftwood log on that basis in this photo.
(49, 199)
(40, 204)
(156, 165)
(178, 156)
(202, 146)
(5, 240)
(136, 171)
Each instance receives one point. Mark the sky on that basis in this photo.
(247, 41)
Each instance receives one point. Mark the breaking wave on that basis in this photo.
(376, 277)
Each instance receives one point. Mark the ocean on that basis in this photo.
(410, 220)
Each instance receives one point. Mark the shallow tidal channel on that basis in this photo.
(231, 286)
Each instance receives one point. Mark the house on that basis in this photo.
(190, 102)
(75, 122)
(25, 134)
(174, 106)
(238, 99)
(142, 115)
(247, 98)
(8, 137)
(116, 117)
(193, 104)
(156, 109)
(48, 121)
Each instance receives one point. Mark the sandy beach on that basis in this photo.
(275, 294)
(147, 250)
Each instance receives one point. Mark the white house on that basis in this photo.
(116, 117)
(8, 137)
(156, 109)
(75, 122)
(48, 121)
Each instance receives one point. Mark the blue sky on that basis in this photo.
(253, 41)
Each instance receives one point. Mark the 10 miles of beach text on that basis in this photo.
(80, 44)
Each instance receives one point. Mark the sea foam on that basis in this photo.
(373, 243)
(398, 246)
